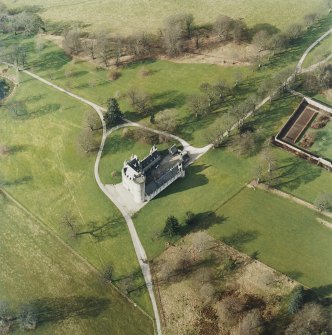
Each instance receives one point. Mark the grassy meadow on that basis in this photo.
(130, 16)
(69, 297)
(49, 175)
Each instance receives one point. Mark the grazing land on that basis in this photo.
(46, 171)
(130, 16)
(319, 53)
(69, 297)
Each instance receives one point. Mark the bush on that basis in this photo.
(308, 140)
(172, 226)
(296, 300)
(145, 72)
(114, 75)
(321, 121)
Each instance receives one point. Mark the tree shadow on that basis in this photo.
(116, 143)
(294, 173)
(323, 291)
(269, 28)
(238, 239)
(167, 99)
(44, 110)
(202, 221)
(53, 60)
(58, 309)
(296, 275)
(16, 182)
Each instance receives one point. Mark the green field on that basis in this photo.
(47, 173)
(286, 236)
(125, 17)
(69, 297)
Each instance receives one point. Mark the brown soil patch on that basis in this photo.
(203, 283)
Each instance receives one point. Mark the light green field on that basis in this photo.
(49, 175)
(286, 236)
(320, 52)
(69, 296)
(125, 17)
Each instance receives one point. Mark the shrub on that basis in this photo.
(296, 300)
(114, 75)
(307, 140)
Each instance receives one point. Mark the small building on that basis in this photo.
(146, 178)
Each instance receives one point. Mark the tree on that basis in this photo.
(69, 220)
(188, 24)
(216, 134)
(107, 274)
(72, 42)
(92, 121)
(262, 40)
(104, 47)
(221, 89)
(294, 32)
(90, 46)
(296, 300)
(86, 141)
(166, 120)
(251, 324)
(173, 36)
(172, 226)
(245, 143)
(324, 202)
(113, 115)
(138, 44)
(6, 317)
(310, 19)
(140, 101)
(199, 105)
(311, 319)
(223, 27)
(189, 218)
(209, 92)
(240, 31)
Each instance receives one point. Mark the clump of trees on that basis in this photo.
(140, 101)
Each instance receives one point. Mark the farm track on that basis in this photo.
(139, 250)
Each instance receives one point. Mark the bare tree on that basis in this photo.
(223, 27)
(92, 121)
(167, 120)
(173, 36)
(311, 319)
(262, 40)
(86, 141)
(250, 324)
(209, 92)
(140, 101)
(104, 48)
(72, 42)
(90, 46)
(310, 19)
(199, 105)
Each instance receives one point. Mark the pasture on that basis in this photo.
(130, 16)
(49, 175)
(68, 296)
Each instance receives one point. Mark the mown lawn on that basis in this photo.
(284, 235)
(47, 173)
(67, 295)
(130, 16)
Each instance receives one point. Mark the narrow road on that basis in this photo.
(139, 250)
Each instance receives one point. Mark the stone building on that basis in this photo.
(146, 178)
